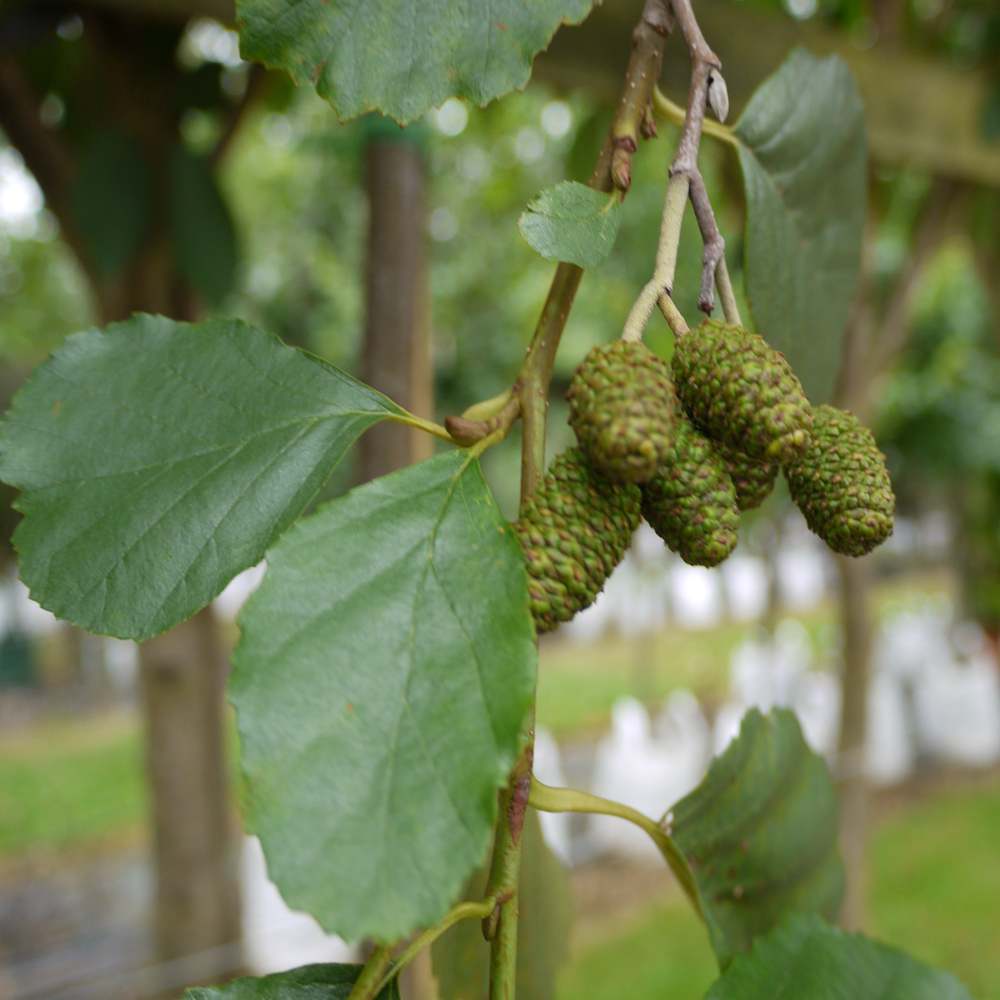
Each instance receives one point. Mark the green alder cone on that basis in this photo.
(841, 484)
(621, 406)
(691, 501)
(752, 478)
(742, 392)
(574, 531)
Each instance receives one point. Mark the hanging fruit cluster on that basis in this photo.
(689, 447)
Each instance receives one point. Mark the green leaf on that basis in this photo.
(201, 227)
(159, 459)
(110, 200)
(385, 669)
(402, 57)
(803, 157)
(545, 906)
(572, 222)
(760, 834)
(309, 982)
(806, 959)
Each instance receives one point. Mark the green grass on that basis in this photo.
(936, 884)
(64, 785)
(935, 892)
(662, 954)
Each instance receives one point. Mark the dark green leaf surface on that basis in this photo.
(760, 834)
(806, 959)
(158, 459)
(309, 982)
(461, 957)
(111, 200)
(803, 157)
(385, 668)
(402, 57)
(572, 222)
(201, 227)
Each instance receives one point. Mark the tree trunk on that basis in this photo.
(854, 579)
(855, 590)
(396, 351)
(195, 852)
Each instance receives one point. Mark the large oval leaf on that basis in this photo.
(760, 834)
(385, 668)
(802, 150)
(402, 57)
(805, 959)
(308, 982)
(158, 459)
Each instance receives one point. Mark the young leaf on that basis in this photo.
(110, 199)
(402, 57)
(760, 834)
(802, 151)
(806, 959)
(201, 227)
(572, 222)
(309, 982)
(384, 671)
(158, 459)
(461, 957)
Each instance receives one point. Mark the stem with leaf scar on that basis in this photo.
(707, 89)
(613, 171)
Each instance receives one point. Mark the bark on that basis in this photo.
(866, 357)
(855, 590)
(194, 848)
(396, 350)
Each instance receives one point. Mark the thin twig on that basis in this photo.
(459, 912)
(685, 164)
(256, 79)
(632, 118)
(367, 985)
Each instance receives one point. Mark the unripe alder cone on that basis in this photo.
(841, 484)
(574, 530)
(691, 502)
(621, 406)
(752, 478)
(742, 392)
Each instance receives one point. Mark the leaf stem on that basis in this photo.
(411, 420)
(369, 983)
(461, 911)
(673, 112)
(549, 799)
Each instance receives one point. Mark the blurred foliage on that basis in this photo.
(940, 418)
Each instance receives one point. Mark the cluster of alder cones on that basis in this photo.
(689, 449)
